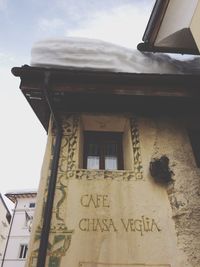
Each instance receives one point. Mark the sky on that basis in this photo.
(24, 22)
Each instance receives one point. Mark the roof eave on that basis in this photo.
(148, 47)
(80, 90)
(5, 205)
(14, 196)
(155, 21)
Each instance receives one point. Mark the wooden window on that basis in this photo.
(103, 150)
(23, 251)
(194, 136)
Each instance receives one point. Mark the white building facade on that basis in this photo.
(18, 238)
(5, 218)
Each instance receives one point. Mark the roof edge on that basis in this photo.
(20, 194)
(155, 20)
(4, 204)
(147, 47)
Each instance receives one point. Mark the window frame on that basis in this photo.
(23, 251)
(102, 138)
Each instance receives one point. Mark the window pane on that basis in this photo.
(93, 149)
(92, 162)
(110, 163)
(23, 251)
(111, 149)
(32, 205)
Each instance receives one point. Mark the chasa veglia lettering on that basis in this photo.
(142, 225)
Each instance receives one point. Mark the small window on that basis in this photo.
(194, 136)
(23, 251)
(103, 150)
(32, 205)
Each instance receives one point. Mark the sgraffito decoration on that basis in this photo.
(99, 264)
(59, 236)
(138, 169)
(68, 157)
(83, 174)
(125, 175)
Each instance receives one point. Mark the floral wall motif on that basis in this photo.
(138, 169)
(60, 235)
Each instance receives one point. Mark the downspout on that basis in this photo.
(4, 255)
(42, 253)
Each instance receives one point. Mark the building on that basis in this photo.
(119, 183)
(4, 225)
(173, 28)
(19, 234)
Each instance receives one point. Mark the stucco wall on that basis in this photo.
(19, 232)
(171, 138)
(122, 217)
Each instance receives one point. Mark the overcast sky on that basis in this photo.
(24, 22)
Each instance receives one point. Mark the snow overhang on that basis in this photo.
(80, 90)
(173, 27)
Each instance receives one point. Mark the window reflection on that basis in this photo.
(93, 162)
(110, 163)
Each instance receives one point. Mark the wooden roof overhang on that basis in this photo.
(75, 90)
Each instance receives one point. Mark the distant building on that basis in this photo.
(18, 238)
(5, 218)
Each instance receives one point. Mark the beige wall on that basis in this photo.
(194, 27)
(178, 16)
(180, 25)
(4, 228)
(119, 218)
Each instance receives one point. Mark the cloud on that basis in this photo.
(123, 25)
(50, 24)
(6, 59)
(3, 4)
(15, 140)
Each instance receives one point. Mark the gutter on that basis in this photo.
(148, 47)
(42, 253)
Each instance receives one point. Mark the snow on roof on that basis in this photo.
(99, 55)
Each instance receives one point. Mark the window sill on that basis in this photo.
(107, 174)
